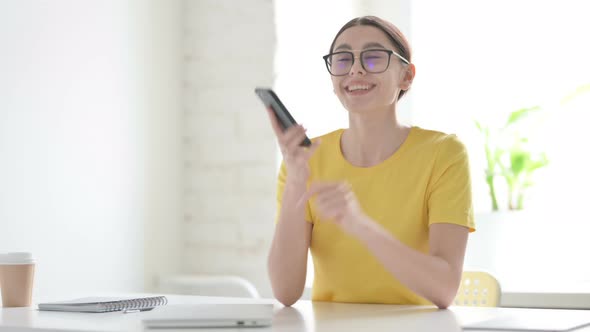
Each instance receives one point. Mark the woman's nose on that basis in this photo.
(357, 67)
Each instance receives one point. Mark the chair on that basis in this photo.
(478, 289)
(208, 285)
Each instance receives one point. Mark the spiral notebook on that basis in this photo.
(105, 304)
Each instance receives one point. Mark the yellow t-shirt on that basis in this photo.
(426, 181)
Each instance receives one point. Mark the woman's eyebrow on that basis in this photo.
(373, 45)
(367, 45)
(343, 47)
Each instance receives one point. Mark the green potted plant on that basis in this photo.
(509, 154)
(512, 160)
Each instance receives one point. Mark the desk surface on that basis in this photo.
(304, 316)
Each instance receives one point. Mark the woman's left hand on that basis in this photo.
(336, 202)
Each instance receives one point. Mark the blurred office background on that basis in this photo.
(133, 151)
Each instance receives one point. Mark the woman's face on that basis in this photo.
(362, 91)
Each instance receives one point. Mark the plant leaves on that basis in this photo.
(536, 164)
(520, 114)
(518, 161)
(478, 125)
(581, 90)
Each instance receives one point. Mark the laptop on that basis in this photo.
(534, 320)
(209, 315)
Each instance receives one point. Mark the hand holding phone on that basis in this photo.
(295, 146)
(272, 101)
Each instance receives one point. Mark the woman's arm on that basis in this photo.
(287, 261)
(436, 276)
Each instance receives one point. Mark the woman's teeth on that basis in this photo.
(356, 87)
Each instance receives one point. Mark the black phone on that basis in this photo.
(270, 99)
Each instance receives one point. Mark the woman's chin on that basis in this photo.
(362, 108)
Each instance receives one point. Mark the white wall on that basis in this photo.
(88, 140)
(230, 150)
(162, 29)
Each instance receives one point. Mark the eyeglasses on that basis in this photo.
(373, 61)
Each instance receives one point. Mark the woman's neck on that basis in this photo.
(372, 137)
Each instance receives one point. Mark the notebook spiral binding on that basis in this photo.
(143, 303)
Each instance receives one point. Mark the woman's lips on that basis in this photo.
(358, 89)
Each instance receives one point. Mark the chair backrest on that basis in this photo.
(478, 289)
(208, 285)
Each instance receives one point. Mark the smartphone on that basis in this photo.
(270, 99)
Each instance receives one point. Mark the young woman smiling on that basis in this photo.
(385, 208)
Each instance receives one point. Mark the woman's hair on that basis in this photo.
(391, 31)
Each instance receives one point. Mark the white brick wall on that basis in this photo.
(230, 151)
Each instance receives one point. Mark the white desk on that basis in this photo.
(304, 316)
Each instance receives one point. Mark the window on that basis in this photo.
(484, 59)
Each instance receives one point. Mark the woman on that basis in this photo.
(385, 208)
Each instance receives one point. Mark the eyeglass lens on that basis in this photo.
(373, 61)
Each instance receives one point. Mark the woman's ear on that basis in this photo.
(408, 75)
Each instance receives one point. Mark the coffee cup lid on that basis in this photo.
(16, 258)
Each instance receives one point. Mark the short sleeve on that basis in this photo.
(282, 179)
(450, 194)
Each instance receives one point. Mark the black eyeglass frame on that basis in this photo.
(389, 52)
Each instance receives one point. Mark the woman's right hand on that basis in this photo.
(295, 157)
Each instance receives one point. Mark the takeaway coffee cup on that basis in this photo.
(16, 279)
